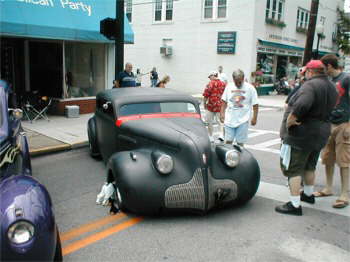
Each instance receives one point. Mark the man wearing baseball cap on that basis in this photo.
(212, 101)
(304, 132)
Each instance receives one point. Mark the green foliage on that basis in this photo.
(301, 30)
(275, 22)
(343, 32)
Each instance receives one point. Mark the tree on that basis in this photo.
(343, 32)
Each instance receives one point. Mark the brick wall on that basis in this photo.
(85, 106)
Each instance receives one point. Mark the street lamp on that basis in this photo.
(319, 31)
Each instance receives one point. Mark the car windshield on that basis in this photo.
(157, 107)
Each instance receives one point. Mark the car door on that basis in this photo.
(106, 129)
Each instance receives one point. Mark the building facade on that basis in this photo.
(53, 48)
(188, 39)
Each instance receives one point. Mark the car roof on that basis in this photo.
(122, 96)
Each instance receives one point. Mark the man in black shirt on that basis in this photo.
(154, 77)
(337, 149)
(304, 132)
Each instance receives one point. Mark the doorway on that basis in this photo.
(46, 65)
(281, 70)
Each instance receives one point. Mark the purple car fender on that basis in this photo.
(24, 199)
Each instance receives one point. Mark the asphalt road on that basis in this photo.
(253, 232)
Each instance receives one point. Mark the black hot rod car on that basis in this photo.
(158, 153)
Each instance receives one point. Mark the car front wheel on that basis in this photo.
(94, 150)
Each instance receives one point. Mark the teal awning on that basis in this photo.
(278, 45)
(59, 19)
(290, 47)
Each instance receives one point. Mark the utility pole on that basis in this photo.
(119, 40)
(311, 32)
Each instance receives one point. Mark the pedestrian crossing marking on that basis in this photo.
(269, 143)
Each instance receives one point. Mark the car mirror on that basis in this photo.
(16, 113)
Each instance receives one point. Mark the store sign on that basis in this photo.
(66, 4)
(283, 38)
(278, 51)
(226, 43)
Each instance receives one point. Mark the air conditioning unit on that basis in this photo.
(166, 50)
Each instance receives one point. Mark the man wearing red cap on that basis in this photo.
(304, 132)
(337, 149)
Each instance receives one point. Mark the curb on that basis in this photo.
(54, 149)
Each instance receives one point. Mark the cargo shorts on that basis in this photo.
(337, 149)
(300, 161)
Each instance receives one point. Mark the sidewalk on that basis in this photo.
(62, 133)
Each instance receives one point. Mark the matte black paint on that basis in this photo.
(186, 140)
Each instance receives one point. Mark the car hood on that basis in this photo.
(174, 132)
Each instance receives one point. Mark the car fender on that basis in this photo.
(139, 183)
(246, 175)
(24, 198)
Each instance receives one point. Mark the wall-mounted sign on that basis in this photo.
(226, 43)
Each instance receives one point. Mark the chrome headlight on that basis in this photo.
(232, 158)
(163, 162)
(20, 232)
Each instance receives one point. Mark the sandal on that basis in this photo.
(321, 194)
(340, 203)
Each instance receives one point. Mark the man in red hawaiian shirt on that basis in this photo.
(212, 101)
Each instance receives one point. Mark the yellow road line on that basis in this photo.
(89, 227)
(100, 235)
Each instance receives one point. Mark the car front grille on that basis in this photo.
(188, 195)
(192, 194)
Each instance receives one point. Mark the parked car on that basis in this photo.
(28, 228)
(158, 154)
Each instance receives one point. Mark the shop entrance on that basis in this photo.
(12, 64)
(46, 76)
(281, 69)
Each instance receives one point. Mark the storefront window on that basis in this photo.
(265, 69)
(85, 69)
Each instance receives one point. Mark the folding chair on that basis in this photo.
(35, 107)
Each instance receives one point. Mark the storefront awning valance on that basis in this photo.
(291, 49)
(77, 20)
(278, 45)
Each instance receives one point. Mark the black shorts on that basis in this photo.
(300, 161)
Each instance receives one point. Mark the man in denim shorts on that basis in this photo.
(304, 132)
(239, 98)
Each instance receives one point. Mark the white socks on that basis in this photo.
(308, 190)
(295, 201)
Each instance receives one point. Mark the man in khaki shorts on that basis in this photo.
(337, 149)
(304, 132)
(212, 101)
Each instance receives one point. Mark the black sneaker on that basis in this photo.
(289, 209)
(306, 198)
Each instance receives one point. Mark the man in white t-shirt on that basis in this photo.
(222, 76)
(239, 98)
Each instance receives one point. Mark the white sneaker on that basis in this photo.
(101, 195)
(109, 191)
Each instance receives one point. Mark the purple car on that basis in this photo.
(28, 229)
